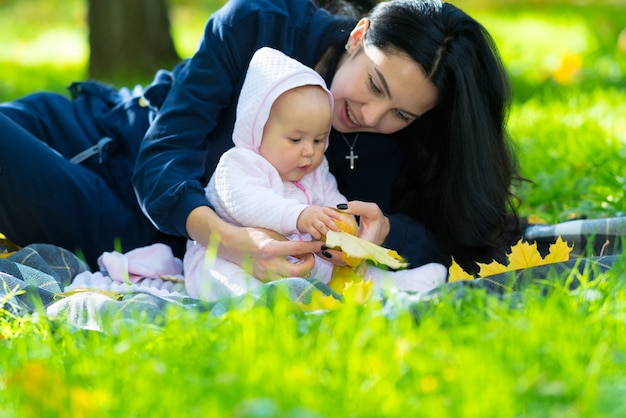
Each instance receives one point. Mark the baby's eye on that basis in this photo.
(294, 140)
(318, 141)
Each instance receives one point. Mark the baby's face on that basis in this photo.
(295, 135)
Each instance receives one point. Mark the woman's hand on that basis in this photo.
(373, 227)
(261, 252)
(373, 224)
(268, 255)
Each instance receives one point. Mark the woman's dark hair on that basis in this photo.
(460, 167)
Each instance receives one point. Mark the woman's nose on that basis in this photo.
(372, 113)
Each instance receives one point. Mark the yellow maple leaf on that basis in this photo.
(347, 282)
(524, 255)
(559, 251)
(341, 277)
(358, 291)
(492, 268)
(344, 281)
(350, 261)
(356, 247)
(457, 274)
(319, 301)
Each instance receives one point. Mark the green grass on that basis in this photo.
(472, 355)
(572, 146)
(542, 352)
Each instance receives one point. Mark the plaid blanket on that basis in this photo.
(33, 279)
(590, 237)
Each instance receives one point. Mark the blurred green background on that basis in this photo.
(566, 59)
(44, 44)
(544, 44)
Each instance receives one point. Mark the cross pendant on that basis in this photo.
(352, 157)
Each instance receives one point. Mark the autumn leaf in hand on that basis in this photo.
(522, 255)
(346, 222)
(358, 248)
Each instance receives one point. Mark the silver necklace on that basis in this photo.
(352, 156)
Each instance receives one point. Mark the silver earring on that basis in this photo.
(347, 47)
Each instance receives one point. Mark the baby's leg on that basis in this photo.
(211, 279)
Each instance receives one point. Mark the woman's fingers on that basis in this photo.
(279, 259)
(373, 224)
(334, 256)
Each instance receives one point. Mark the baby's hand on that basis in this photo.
(317, 221)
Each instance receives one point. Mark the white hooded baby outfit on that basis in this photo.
(246, 190)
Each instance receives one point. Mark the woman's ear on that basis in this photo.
(358, 33)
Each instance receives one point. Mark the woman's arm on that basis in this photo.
(192, 129)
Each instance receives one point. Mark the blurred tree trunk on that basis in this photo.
(129, 39)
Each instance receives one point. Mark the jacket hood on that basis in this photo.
(270, 74)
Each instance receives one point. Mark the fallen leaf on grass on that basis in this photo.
(319, 301)
(346, 282)
(522, 255)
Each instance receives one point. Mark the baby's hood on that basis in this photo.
(269, 74)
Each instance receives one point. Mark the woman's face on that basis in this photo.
(376, 91)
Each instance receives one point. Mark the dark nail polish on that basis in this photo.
(324, 247)
(342, 206)
(326, 254)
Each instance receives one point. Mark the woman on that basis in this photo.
(418, 144)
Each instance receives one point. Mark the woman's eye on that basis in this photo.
(403, 117)
(373, 85)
